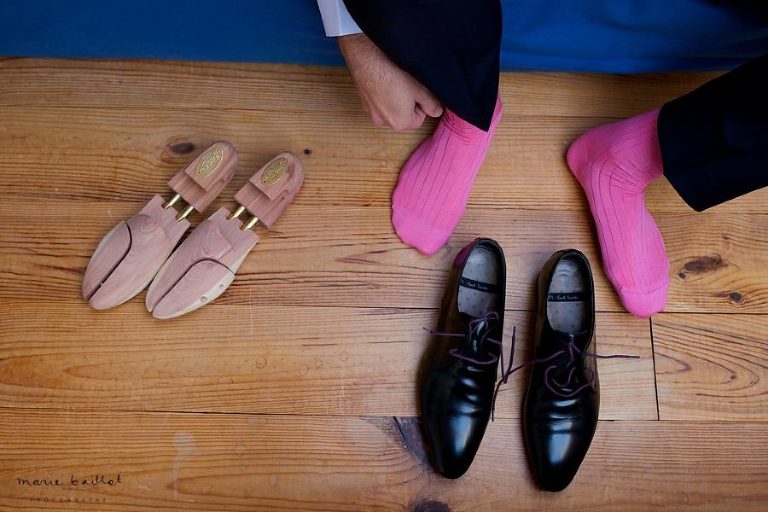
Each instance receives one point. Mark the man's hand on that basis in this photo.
(390, 95)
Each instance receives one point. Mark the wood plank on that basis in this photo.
(347, 257)
(350, 256)
(718, 262)
(191, 85)
(266, 359)
(187, 85)
(129, 154)
(268, 463)
(712, 367)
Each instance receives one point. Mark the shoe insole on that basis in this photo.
(478, 284)
(567, 302)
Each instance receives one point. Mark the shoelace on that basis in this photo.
(571, 349)
(487, 318)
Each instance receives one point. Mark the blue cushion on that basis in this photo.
(586, 35)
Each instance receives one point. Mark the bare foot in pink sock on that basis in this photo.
(434, 184)
(614, 164)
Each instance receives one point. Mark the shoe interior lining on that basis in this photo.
(478, 285)
(568, 300)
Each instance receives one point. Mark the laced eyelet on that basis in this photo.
(550, 382)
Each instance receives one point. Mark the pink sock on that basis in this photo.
(434, 184)
(614, 164)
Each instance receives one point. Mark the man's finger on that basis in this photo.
(429, 104)
(418, 117)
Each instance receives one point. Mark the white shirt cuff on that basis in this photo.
(336, 18)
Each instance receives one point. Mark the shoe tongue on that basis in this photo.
(476, 328)
(580, 338)
(565, 363)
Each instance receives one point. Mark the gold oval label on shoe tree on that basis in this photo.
(209, 162)
(274, 171)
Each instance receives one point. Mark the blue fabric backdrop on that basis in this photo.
(584, 35)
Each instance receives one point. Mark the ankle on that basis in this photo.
(629, 148)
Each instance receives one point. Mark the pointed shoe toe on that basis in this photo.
(556, 450)
(452, 429)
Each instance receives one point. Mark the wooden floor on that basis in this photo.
(295, 390)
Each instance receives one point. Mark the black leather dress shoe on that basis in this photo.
(563, 398)
(458, 373)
